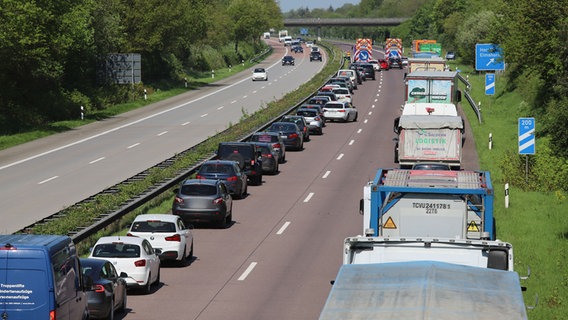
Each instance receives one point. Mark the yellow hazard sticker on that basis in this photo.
(389, 224)
(472, 227)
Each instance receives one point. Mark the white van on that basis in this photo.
(287, 41)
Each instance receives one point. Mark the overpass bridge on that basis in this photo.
(354, 22)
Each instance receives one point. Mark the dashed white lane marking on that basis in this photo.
(204, 115)
(284, 226)
(244, 97)
(310, 195)
(370, 112)
(351, 142)
(133, 145)
(97, 160)
(221, 107)
(359, 131)
(162, 133)
(47, 180)
(186, 123)
(247, 271)
(340, 156)
(326, 174)
(234, 101)
(365, 121)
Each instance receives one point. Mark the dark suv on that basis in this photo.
(315, 55)
(247, 155)
(288, 60)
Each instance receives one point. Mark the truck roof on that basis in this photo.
(433, 74)
(430, 122)
(424, 290)
(428, 108)
(463, 181)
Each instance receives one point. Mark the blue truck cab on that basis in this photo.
(40, 278)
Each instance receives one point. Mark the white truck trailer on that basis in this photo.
(425, 278)
(428, 132)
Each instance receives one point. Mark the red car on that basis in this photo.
(384, 64)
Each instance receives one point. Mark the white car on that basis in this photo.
(167, 233)
(376, 65)
(313, 119)
(341, 111)
(309, 44)
(259, 74)
(343, 94)
(349, 73)
(132, 255)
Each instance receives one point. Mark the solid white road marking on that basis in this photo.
(281, 230)
(47, 180)
(247, 271)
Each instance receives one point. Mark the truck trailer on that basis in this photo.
(419, 278)
(429, 203)
(428, 132)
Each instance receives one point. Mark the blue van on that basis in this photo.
(40, 278)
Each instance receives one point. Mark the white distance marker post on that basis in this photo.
(506, 195)
(490, 141)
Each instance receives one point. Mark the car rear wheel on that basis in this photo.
(110, 315)
(122, 306)
(148, 286)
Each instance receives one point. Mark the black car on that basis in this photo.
(246, 154)
(288, 60)
(369, 70)
(273, 138)
(315, 55)
(395, 63)
(269, 157)
(108, 291)
(291, 135)
(297, 49)
(300, 122)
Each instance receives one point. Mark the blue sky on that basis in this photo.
(287, 5)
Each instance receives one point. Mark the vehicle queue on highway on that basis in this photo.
(206, 200)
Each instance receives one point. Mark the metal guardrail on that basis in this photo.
(105, 219)
(474, 106)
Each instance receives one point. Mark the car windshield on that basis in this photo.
(258, 70)
(198, 190)
(153, 226)
(116, 250)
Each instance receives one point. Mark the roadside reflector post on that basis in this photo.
(506, 195)
(82, 113)
(145, 94)
(490, 141)
(212, 73)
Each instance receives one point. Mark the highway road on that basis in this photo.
(40, 178)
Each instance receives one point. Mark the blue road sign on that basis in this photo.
(526, 136)
(489, 83)
(363, 56)
(304, 31)
(488, 57)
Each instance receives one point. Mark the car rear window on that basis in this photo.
(153, 226)
(198, 190)
(227, 150)
(116, 250)
(264, 138)
(216, 168)
(306, 113)
(282, 127)
(341, 91)
(334, 106)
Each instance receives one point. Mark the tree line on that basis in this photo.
(54, 52)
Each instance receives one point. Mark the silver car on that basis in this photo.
(313, 119)
(204, 200)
